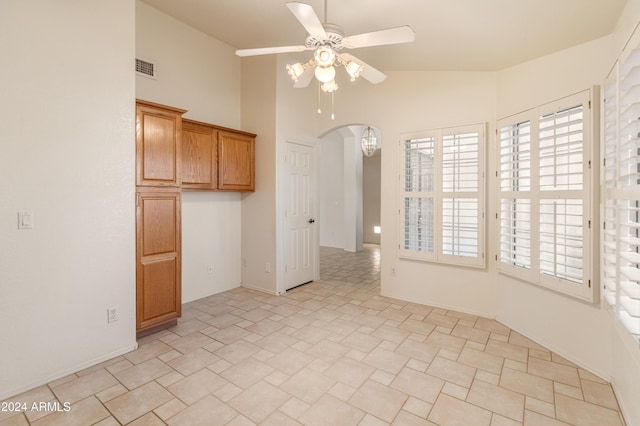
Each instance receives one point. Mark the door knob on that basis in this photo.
(312, 220)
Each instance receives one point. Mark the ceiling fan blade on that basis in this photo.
(396, 35)
(308, 18)
(270, 50)
(368, 72)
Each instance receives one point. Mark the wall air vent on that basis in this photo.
(146, 68)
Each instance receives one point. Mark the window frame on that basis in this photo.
(439, 196)
(537, 196)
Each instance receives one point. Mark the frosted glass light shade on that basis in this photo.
(353, 69)
(295, 71)
(325, 75)
(330, 86)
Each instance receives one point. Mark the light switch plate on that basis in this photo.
(25, 220)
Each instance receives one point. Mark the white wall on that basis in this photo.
(210, 238)
(331, 202)
(202, 75)
(195, 71)
(259, 207)
(531, 310)
(352, 176)
(371, 197)
(349, 200)
(411, 101)
(582, 332)
(68, 156)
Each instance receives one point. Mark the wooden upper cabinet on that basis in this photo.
(236, 161)
(158, 137)
(199, 155)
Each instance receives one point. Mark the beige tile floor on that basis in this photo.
(333, 352)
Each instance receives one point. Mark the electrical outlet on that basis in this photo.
(112, 314)
(267, 267)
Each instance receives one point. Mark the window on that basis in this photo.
(442, 190)
(545, 210)
(620, 180)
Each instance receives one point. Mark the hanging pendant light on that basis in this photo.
(369, 142)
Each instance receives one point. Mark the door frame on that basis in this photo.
(280, 209)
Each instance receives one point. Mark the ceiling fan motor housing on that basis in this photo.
(333, 38)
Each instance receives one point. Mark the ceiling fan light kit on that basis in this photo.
(326, 40)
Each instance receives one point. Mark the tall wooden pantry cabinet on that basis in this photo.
(174, 154)
(158, 225)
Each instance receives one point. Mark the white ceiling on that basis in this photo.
(462, 35)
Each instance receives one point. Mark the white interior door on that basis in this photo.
(299, 216)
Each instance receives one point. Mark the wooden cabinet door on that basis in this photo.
(158, 136)
(236, 161)
(158, 252)
(199, 156)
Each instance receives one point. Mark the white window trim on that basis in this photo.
(439, 195)
(587, 290)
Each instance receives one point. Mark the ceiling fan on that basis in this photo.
(327, 40)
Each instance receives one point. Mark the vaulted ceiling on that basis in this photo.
(451, 35)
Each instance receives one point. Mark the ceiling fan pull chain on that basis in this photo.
(333, 117)
(319, 109)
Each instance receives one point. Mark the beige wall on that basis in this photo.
(371, 197)
(68, 157)
(411, 101)
(259, 207)
(208, 87)
(558, 75)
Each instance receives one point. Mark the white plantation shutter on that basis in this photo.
(620, 178)
(515, 232)
(629, 261)
(609, 252)
(460, 184)
(561, 237)
(515, 195)
(418, 228)
(442, 190)
(629, 195)
(562, 150)
(545, 208)
(419, 175)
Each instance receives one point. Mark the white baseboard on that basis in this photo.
(261, 290)
(62, 373)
